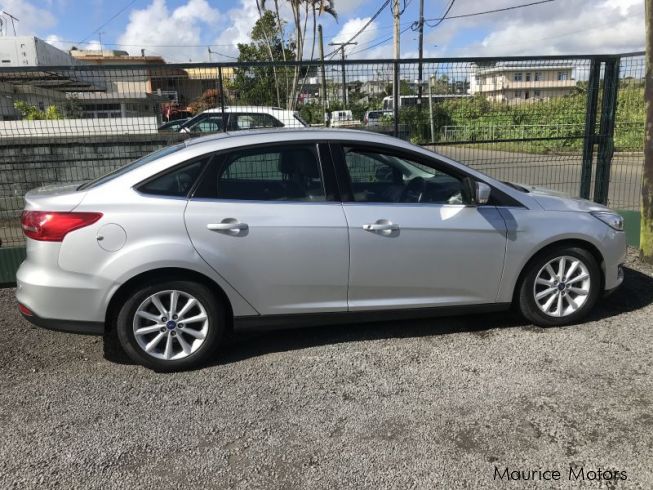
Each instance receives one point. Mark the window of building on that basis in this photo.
(518, 77)
(518, 94)
(280, 173)
(563, 75)
(528, 76)
(536, 93)
(539, 76)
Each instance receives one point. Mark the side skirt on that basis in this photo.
(297, 320)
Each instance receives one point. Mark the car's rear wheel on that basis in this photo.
(560, 286)
(171, 326)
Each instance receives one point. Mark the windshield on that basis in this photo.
(131, 166)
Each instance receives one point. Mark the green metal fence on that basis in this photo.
(573, 123)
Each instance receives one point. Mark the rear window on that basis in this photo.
(374, 115)
(131, 166)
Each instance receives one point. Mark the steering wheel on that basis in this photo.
(414, 190)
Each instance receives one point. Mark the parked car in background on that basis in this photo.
(237, 118)
(342, 119)
(283, 227)
(375, 119)
(174, 125)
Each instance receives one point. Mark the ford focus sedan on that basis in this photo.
(278, 227)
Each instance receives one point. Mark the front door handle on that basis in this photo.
(381, 225)
(228, 224)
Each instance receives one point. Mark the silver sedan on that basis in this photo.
(278, 227)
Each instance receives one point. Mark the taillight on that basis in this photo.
(25, 310)
(53, 226)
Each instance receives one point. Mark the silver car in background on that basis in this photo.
(280, 227)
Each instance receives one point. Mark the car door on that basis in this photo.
(266, 220)
(414, 242)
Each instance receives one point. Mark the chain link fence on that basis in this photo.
(574, 123)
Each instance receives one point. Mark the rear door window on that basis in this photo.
(266, 174)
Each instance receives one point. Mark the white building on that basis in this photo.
(517, 84)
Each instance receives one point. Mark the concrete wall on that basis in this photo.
(78, 127)
(26, 163)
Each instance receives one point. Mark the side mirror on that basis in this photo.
(475, 192)
(482, 194)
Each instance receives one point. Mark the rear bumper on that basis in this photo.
(70, 326)
(61, 300)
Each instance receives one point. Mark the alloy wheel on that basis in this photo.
(170, 325)
(562, 286)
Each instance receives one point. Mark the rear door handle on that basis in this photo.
(228, 224)
(383, 226)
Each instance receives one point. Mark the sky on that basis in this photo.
(182, 30)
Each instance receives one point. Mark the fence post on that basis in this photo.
(395, 97)
(606, 131)
(590, 128)
(222, 104)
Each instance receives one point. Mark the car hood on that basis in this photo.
(552, 200)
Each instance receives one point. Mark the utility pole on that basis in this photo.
(325, 98)
(344, 77)
(396, 84)
(646, 227)
(12, 18)
(421, 55)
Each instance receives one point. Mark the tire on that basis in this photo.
(545, 310)
(173, 345)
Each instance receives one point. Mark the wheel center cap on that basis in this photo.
(561, 286)
(171, 324)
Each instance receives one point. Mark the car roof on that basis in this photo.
(275, 135)
(249, 108)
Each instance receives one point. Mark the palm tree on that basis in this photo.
(301, 11)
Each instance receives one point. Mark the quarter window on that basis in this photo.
(174, 183)
(271, 174)
(379, 177)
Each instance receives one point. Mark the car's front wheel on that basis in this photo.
(170, 326)
(560, 286)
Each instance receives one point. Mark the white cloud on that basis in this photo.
(561, 27)
(239, 22)
(65, 45)
(157, 30)
(365, 48)
(32, 19)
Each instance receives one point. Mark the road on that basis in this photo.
(423, 404)
(559, 172)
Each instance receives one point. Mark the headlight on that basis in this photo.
(613, 220)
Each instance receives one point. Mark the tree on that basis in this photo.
(209, 99)
(264, 85)
(301, 11)
(32, 113)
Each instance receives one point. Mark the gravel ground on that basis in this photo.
(424, 404)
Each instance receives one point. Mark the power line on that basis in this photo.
(110, 19)
(441, 19)
(379, 43)
(360, 31)
(473, 14)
